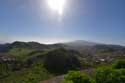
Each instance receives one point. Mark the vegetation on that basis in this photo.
(119, 64)
(30, 66)
(107, 75)
(102, 75)
(4, 70)
(32, 62)
(60, 61)
(33, 74)
(76, 77)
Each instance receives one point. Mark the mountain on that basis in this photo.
(22, 45)
(28, 45)
(4, 47)
(32, 60)
(75, 45)
(80, 43)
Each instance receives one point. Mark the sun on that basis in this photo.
(57, 5)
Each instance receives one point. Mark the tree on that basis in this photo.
(60, 61)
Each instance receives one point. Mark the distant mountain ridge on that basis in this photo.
(81, 43)
(75, 45)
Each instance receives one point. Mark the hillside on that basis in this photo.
(33, 62)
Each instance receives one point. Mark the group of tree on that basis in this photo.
(60, 61)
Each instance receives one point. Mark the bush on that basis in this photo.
(4, 70)
(76, 77)
(122, 77)
(66, 81)
(108, 75)
(119, 64)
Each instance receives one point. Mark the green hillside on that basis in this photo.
(31, 62)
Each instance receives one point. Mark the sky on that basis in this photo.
(100, 21)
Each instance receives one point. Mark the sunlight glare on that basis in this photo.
(57, 5)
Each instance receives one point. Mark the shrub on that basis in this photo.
(76, 77)
(66, 81)
(108, 75)
(4, 70)
(119, 64)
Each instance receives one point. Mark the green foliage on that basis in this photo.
(102, 75)
(4, 70)
(66, 81)
(85, 64)
(108, 75)
(60, 61)
(20, 53)
(122, 77)
(31, 61)
(37, 74)
(34, 74)
(76, 77)
(119, 64)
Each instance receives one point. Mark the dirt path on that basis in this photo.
(58, 79)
